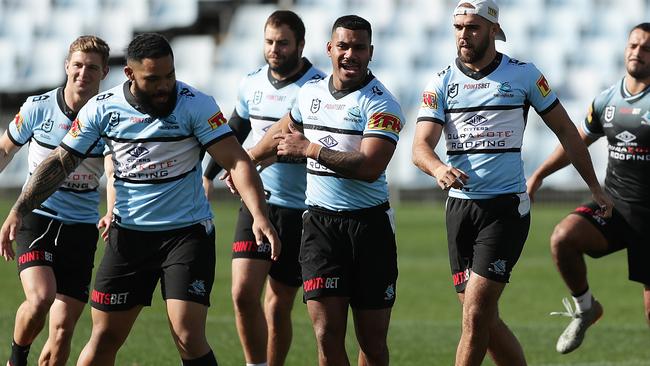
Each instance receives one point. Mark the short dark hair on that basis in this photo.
(643, 26)
(353, 22)
(291, 20)
(148, 45)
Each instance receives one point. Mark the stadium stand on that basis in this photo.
(578, 44)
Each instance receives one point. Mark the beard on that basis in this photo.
(474, 54)
(286, 67)
(642, 72)
(152, 108)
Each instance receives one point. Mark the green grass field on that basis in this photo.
(426, 317)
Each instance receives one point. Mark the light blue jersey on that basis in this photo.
(484, 116)
(263, 100)
(157, 160)
(43, 121)
(339, 121)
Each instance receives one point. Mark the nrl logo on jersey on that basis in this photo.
(646, 119)
(609, 113)
(315, 105)
(114, 119)
(257, 97)
(452, 90)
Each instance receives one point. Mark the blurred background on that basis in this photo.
(578, 45)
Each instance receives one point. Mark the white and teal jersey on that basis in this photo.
(157, 160)
(43, 121)
(263, 100)
(339, 120)
(484, 115)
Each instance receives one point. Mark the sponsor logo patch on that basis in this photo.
(18, 121)
(626, 137)
(385, 122)
(328, 141)
(75, 130)
(217, 120)
(430, 100)
(543, 86)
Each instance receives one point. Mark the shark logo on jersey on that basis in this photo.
(505, 87)
(47, 125)
(328, 141)
(476, 120)
(646, 119)
(626, 137)
(114, 119)
(315, 105)
(452, 90)
(138, 151)
(609, 113)
(257, 97)
(354, 115)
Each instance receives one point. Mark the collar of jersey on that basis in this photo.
(279, 84)
(60, 101)
(338, 94)
(487, 70)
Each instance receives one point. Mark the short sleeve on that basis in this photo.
(85, 131)
(21, 128)
(295, 114)
(384, 119)
(540, 95)
(592, 125)
(432, 107)
(242, 102)
(209, 124)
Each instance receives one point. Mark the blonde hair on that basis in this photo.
(90, 44)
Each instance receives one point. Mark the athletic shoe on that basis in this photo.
(574, 333)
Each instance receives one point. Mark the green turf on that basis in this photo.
(426, 318)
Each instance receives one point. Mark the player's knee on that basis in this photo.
(244, 301)
(40, 303)
(61, 336)
(374, 346)
(190, 344)
(562, 238)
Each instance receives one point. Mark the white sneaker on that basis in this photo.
(574, 333)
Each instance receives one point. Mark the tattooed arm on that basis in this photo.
(46, 179)
(367, 164)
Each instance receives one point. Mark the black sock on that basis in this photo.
(18, 354)
(205, 360)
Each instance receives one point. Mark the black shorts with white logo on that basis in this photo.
(288, 224)
(486, 236)
(183, 259)
(350, 254)
(628, 227)
(68, 248)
